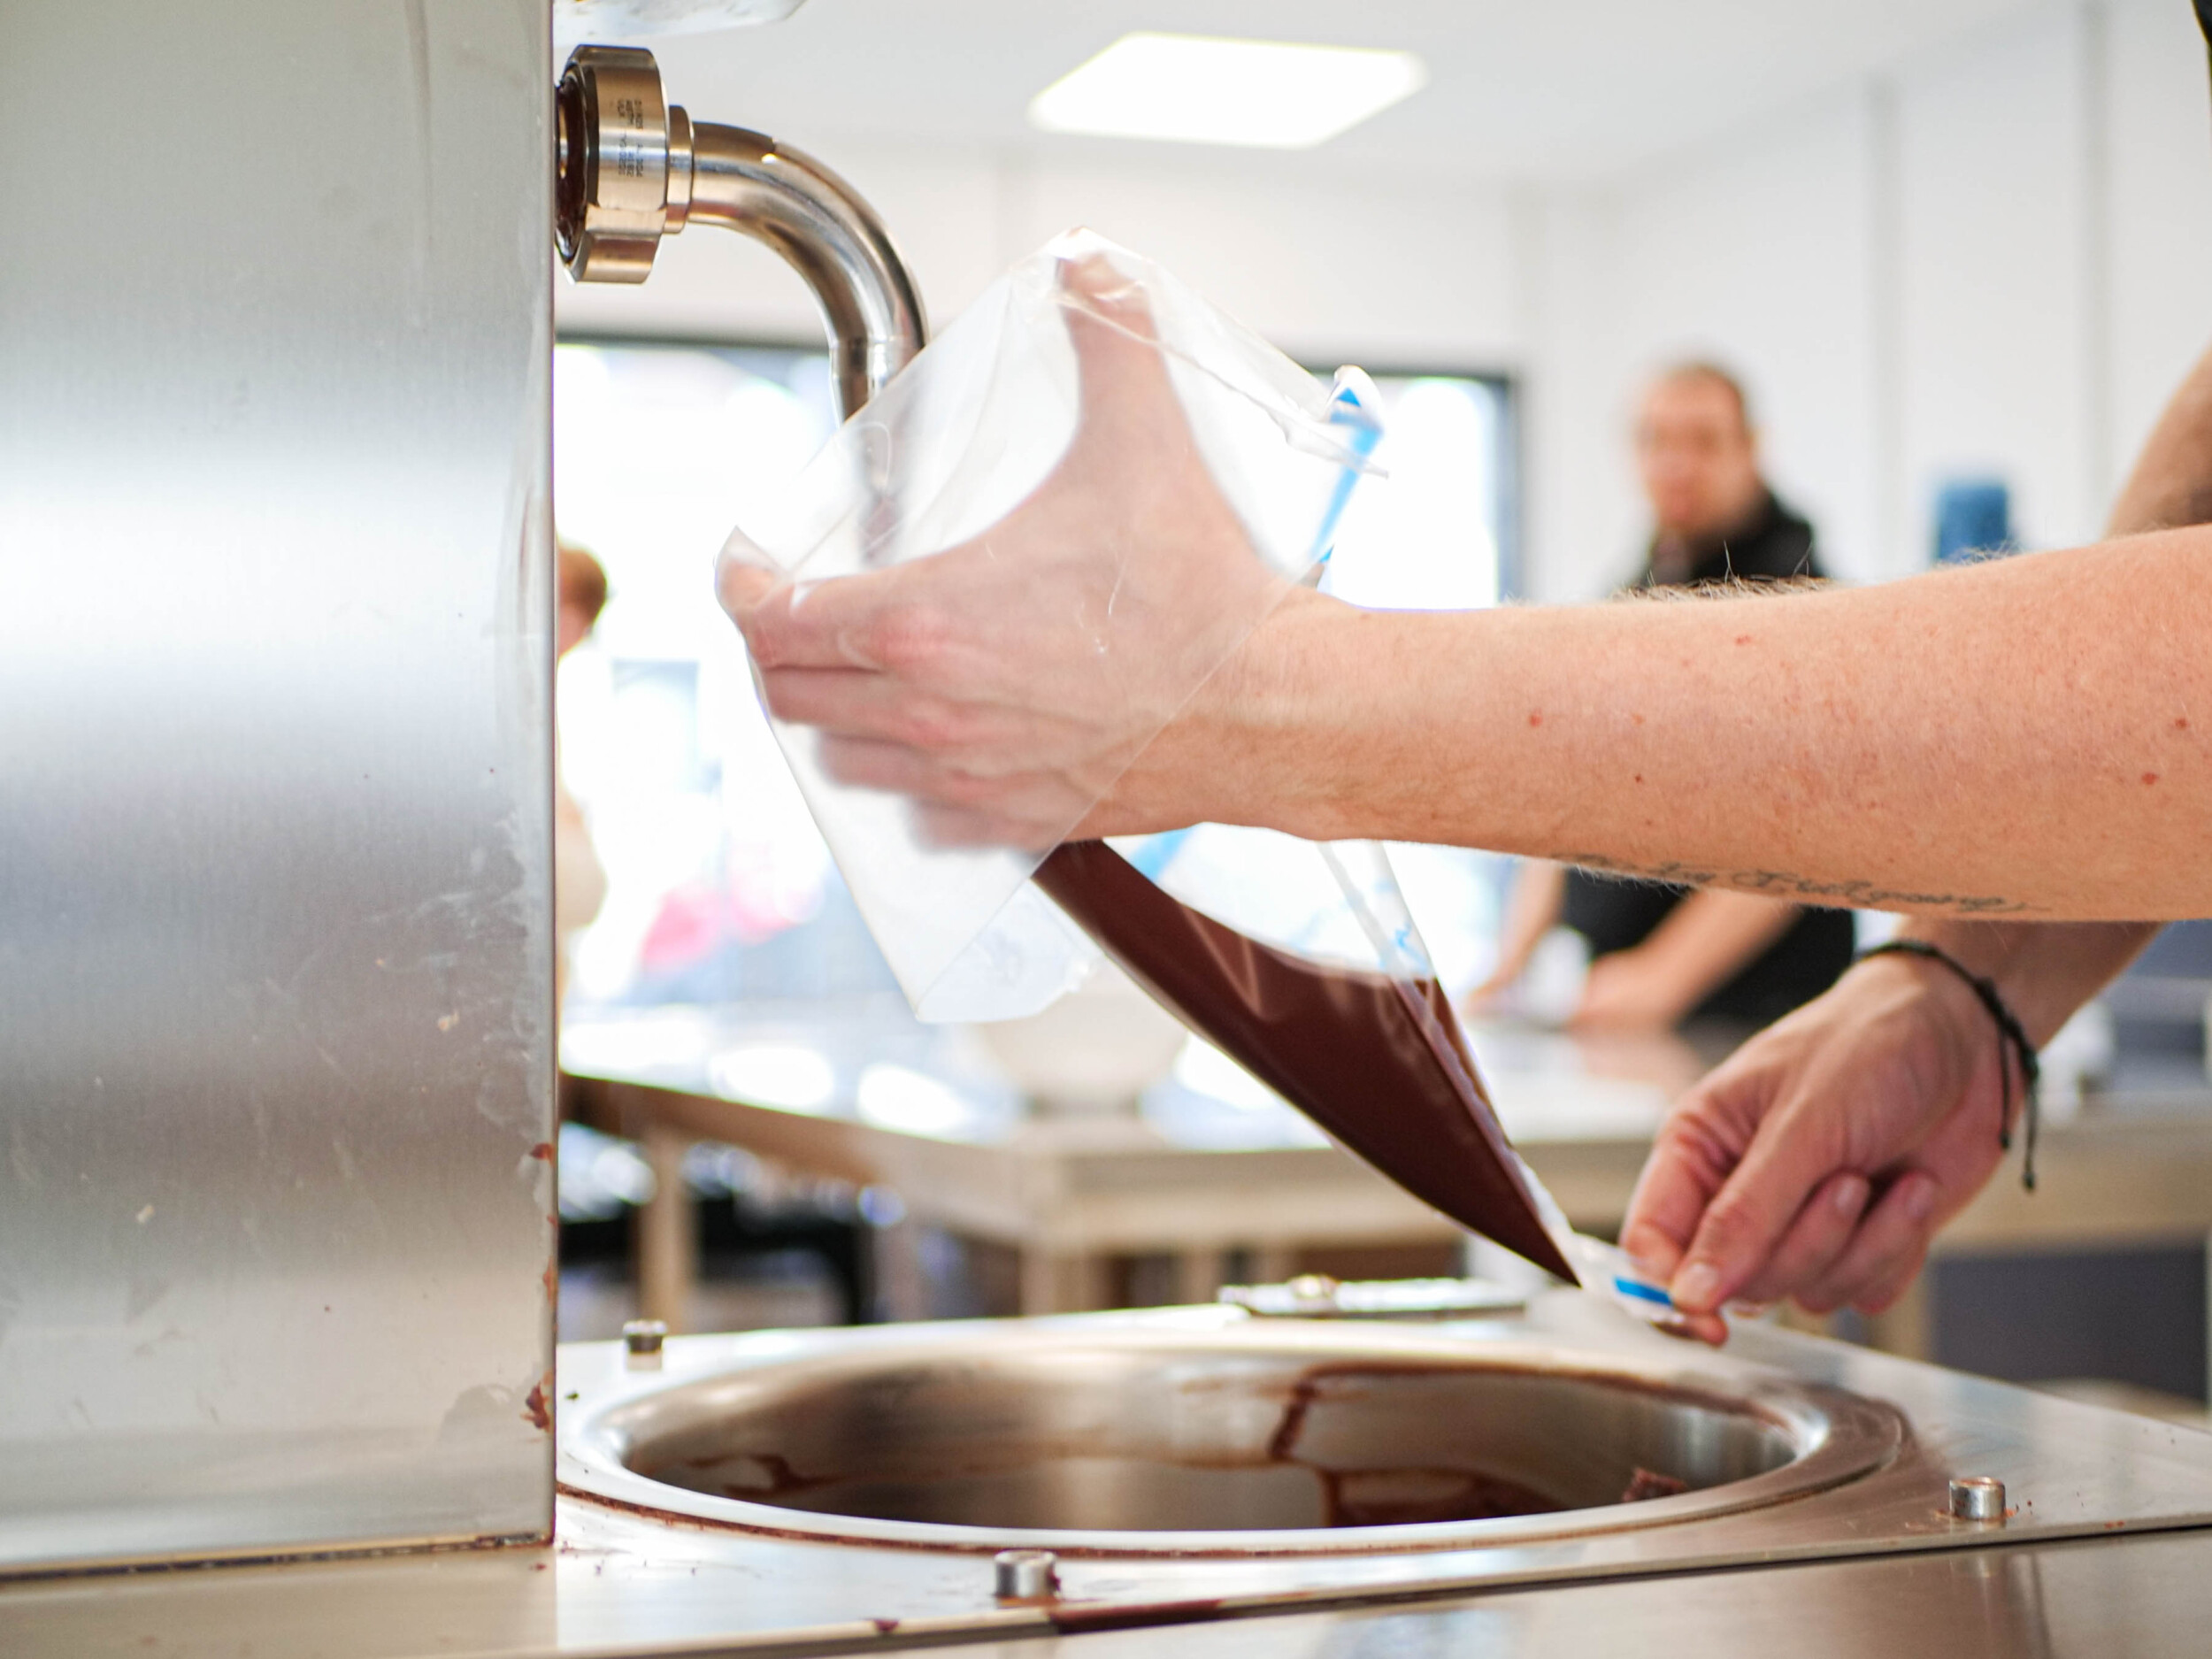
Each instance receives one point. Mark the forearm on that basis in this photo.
(2025, 737)
(1760, 1185)
(1710, 937)
(2044, 971)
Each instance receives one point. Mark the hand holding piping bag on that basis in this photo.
(1006, 685)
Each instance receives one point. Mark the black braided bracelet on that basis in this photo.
(2010, 1033)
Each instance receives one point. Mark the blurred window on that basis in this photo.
(1438, 535)
(719, 889)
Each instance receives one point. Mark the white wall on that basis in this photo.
(944, 207)
(2159, 193)
(1994, 214)
(1756, 256)
(1333, 268)
(1993, 257)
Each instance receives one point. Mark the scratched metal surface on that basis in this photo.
(2148, 1598)
(617, 1582)
(275, 843)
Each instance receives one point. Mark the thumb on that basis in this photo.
(1687, 1165)
(743, 576)
(749, 589)
(1110, 325)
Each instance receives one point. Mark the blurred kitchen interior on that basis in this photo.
(1948, 243)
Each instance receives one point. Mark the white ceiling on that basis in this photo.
(1549, 90)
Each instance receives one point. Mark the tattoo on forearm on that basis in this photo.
(1778, 883)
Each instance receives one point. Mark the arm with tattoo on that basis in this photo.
(1820, 1160)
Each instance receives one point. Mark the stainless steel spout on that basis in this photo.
(632, 170)
(748, 183)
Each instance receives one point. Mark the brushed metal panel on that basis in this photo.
(2096, 1599)
(275, 1048)
(2117, 1509)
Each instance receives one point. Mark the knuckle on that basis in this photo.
(1731, 1221)
(911, 640)
(939, 726)
(951, 788)
(760, 641)
(765, 627)
(1682, 1155)
(969, 789)
(847, 763)
(1882, 1297)
(928, 725)
(1646, 1238)
(778, 695)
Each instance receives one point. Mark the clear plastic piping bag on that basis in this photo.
(967, 434)
(1302, 963)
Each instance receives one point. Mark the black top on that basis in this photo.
(1612, 915)
(1773, 544)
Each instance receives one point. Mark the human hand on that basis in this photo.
(1629, 990)
(1006, 685)
(1490, 994)
(1818, 1161)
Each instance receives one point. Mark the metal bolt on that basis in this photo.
(643, 1338)
(1024, 1575)
(1977, 1497)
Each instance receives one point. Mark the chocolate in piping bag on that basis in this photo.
(1377, 1061)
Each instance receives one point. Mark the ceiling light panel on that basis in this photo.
(1198, 89)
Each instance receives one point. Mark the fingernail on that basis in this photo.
(1696, 1288)
(1920, 1199)
(1849, 1196)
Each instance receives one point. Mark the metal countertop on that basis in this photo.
(2141, 1598)
(1811, 1576)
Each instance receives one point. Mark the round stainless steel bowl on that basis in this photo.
(1271, 1438)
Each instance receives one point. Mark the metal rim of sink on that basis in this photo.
(1812, 1438)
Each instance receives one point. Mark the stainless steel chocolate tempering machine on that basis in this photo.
(277, 1361)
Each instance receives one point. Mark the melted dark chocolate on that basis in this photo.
(1419, 1497)
(1354, 1051)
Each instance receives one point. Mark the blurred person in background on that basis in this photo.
(1662, 954)
(579, 884)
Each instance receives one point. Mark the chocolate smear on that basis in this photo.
(1646, 1484)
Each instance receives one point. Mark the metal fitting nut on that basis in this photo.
(610, 195)
(1024, 1575)
(1977, 1497)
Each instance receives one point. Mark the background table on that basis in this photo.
(1208, 1184)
